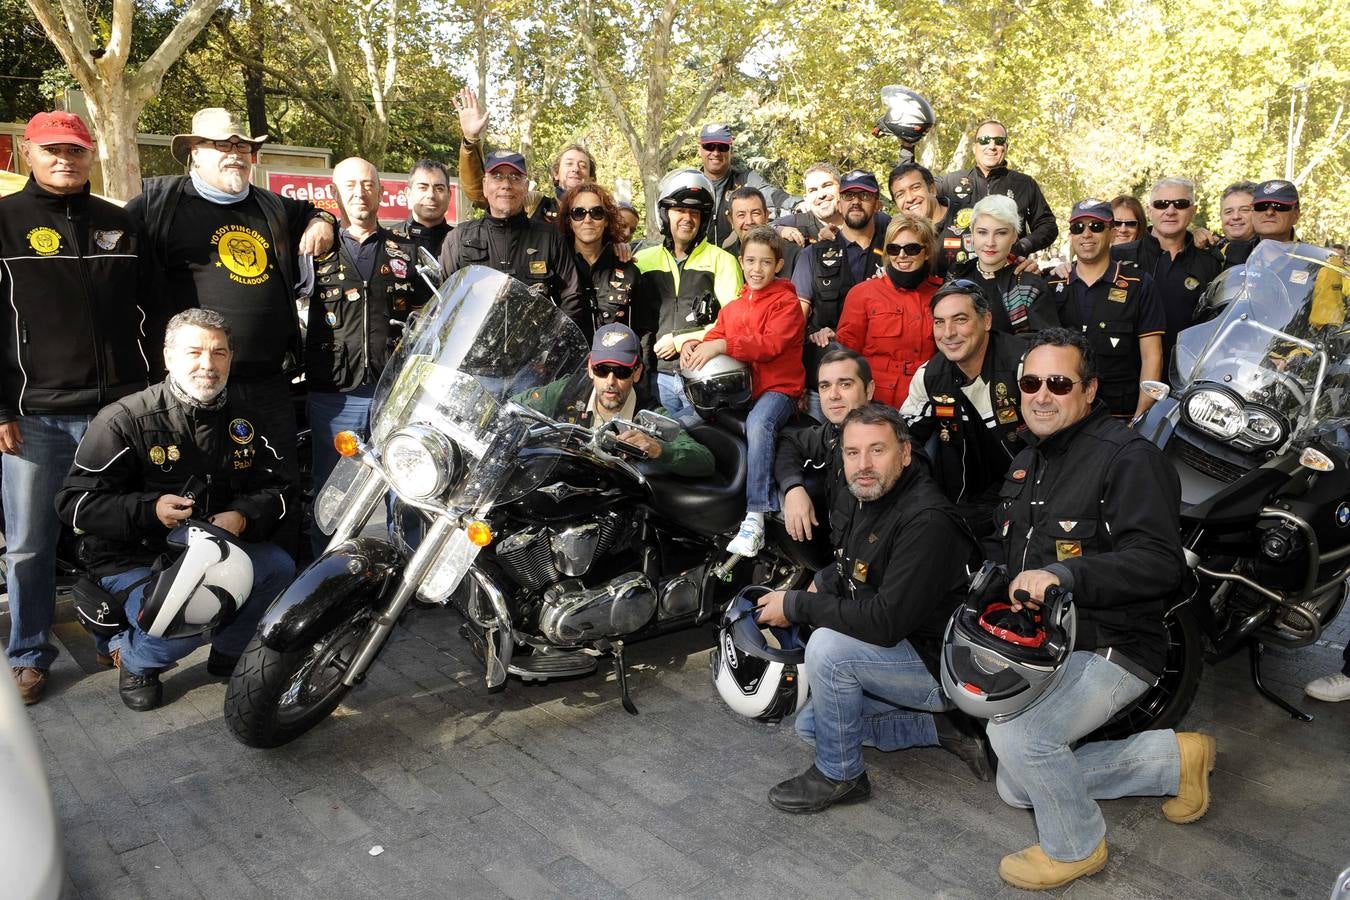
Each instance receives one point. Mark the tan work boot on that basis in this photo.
(1032, 870)
(1198, 753)
(32, 683)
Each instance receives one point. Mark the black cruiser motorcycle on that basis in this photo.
(555, 543)
(1258, 429)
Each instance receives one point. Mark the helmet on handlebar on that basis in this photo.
(686, 189)
(722, 383)
(908, 115)
(759, 672)
(996, 663)
(202, 589)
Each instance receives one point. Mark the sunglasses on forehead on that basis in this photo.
(1096, 226)
(1179, 203)
(1059, 385)
(577, 213)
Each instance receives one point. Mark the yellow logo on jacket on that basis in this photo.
(44, 241)
(243, 252)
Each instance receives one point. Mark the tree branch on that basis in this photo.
(1330, 145)
(147, 79)
(70, 40)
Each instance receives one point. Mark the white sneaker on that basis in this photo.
(749, 540)
(1332, 688)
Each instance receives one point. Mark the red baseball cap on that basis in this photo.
(58, 128)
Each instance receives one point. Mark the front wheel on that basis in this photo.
(275, 696)
(1163, 705)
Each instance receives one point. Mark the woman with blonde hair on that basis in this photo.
(1020, 303)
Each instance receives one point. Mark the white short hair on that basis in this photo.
(1000, 208)
(1173, 181)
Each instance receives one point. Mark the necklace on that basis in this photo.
(986, 273)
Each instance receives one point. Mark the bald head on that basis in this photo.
(358, 189)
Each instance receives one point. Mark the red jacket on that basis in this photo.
(765, 329)
(893, 329)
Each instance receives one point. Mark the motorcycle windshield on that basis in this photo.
(1280, 340)
(482, 340)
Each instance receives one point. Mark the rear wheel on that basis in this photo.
(275, 696)
(1163, 705)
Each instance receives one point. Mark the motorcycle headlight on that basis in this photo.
(1216, 412)
(420, 462)
(1263, 428)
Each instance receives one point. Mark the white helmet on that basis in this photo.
(687, 189)
(203, 588)
(759, 672)
(723, 382)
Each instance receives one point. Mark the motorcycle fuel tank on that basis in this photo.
(552, 485)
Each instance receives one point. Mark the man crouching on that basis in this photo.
(149, 462)
(878, 613)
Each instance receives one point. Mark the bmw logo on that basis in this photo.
(1343, 515)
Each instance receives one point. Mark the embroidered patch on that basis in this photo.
(859, 570)
(400, 268)
(241, 431)
(1117, 295)
(1191, 283)
(331, 319)
(107, 240)
(1068, 549)
(44, 241)
(173, 453)
(538, 267)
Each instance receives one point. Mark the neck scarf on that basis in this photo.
(192, 402)
(214, 194)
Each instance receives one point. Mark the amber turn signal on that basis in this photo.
(480, 535)
(347, 443)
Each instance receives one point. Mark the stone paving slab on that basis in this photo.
(554, 791)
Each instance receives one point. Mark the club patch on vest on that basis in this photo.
(241, 431)
(44, 241)
(107, 240)
(1116, 295)
(243, 253)
(859, 570)
(1068, 549)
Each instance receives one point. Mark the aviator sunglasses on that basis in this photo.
(1096, 226)
(577, 213)
(1059, 385)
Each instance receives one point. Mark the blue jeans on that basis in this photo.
(1037, 770)
(31, 480)
(766, 417)
(813, 408)
(273, 569)
(863, 695)
(329, 414)
(670, 391)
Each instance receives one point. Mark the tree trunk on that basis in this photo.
(115, 115)
(255, 94)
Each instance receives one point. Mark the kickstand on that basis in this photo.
(1256, 650)
(622, 678)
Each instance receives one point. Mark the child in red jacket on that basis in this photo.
(764, 328)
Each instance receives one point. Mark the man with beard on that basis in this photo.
(218, 242)
(820, 183)
(508, 240)
(877, 616)
(428, 202)
(71, 341)
(573, 165)
(365, 286)
(605, 391)
(184, 448)
(827, 270)
(1112, 303)
(914, 191)
(1168, 254)
(991, 175)
(714, 152)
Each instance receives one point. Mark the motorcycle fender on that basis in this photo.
(356, 573)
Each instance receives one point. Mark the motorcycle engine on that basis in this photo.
(540, 556)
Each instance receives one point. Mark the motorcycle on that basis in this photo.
(1258, 430)
(556, 543)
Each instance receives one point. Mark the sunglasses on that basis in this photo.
(1181, 203)
(1096, 226)
(1125, 223)
(904, 249)
(717, 148)
(1267, 205)
(577, 213)
(988, 139)
(511, 177)
(1059, 385)
(604, 370)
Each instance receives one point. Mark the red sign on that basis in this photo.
(317, 187)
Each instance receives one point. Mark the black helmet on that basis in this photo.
(997, 662)
(908, 115)
(200, 590)
(754, 677)
(723, 382)
(687, 189)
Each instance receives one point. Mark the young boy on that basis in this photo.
(764, 328)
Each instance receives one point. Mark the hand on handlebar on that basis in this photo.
(647, 446)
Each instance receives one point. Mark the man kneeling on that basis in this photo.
(151, 461)
(878, 614)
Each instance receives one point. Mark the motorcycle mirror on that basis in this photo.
(1155, 389)
(666, 428)
(430, 269)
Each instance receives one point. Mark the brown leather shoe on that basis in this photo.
(32, 683)
(1198, 754)
(1032, 870)
(104, 660)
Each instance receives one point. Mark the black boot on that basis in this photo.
(962, 736)
(220, 665)
(812, 791)
(140, 692)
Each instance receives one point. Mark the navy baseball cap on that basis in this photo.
(498, 158)
(1092, 209)
(616, 344)
(715, 133)
(859, 180)
(1279, 191)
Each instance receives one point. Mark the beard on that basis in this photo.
(877, 489)
(856, 218)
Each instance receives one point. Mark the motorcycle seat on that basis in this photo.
(711, 505)
(733, 422)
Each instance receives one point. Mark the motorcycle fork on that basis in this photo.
(413, 573)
